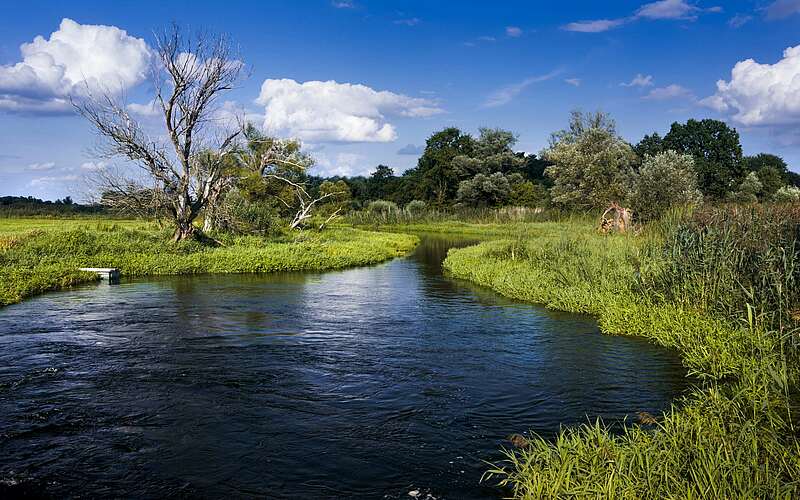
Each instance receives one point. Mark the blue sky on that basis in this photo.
(365, 82)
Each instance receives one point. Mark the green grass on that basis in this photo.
(735, 434)
(38, 255)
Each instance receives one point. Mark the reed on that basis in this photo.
(718, 286)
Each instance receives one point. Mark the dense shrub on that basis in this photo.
(665, 180)
(382, 207)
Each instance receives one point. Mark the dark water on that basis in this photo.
(370, 382)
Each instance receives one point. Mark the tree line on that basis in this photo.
(232, 176)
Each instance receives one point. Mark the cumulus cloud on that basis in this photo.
(662, 9)
(513, 31)
(147, 109)
(75, 57)
(410, 149)
(329, 111)
(506, 94)
(639, 80)
(673, 91)
(761, 94)
(782, 8)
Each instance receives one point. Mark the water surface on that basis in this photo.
(370, 382)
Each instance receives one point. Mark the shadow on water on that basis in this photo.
(369, 382)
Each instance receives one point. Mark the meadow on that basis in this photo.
(38, 255)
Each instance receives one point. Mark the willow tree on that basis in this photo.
(189, 75)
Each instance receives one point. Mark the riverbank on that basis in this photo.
(38, 255)
(733, 436)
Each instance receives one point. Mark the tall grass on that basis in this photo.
(718, 286)
(475, 215)
(46, 259)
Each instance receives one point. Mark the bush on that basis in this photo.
(382, 207)
(665, 180)
(416, 207)
(787, 194)
(243, 216)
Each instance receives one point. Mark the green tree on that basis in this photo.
(490, 190)
(340, 197)
(772, 171)
(665, 180)
(380, 183)
(716, 150)
(749, 190)
(437, 177)
(592, 165)
(651, 145)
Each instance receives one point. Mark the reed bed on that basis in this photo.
(718, 285)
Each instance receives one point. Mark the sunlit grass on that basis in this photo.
(40, 255)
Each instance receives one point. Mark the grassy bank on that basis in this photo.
(38, 255)
(720, 291)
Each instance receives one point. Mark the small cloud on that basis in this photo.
(513, 31)
(487, 39)
(506, 94)
(411, 21)
(639, 80)
(596, 26)
(39, 181)
(739, 20)
(91, 166)
(343, 4)
(410, 149)
(575, 82)
(38, 167)
(148, 109)
(673, 91)
(782, 8)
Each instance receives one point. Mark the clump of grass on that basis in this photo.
(716, 285)
(48, 259)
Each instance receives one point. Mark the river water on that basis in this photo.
(365, 383)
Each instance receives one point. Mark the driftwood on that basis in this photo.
(616, 219)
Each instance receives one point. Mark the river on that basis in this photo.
(365, 383)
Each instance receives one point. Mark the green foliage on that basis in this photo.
(787, 194)
(719, 288)
(665, 180)
(592, 166)
(772, 171)
(382, 207)
(716, 150)
(438, 179)
(244, 216)
(749, 190)
(416, 207)
(340, 199)
(651, 145)
(487, 190)
(530, 194)
(33, 261)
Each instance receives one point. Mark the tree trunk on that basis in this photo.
(183, 231)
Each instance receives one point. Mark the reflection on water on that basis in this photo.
(368, 383)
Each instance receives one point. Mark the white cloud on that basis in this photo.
(411, 21)
(513, 31)
(39, 181)
(42, 166)
(148, 109)
(345, 165)
(667, 9)
(91, 166)
(783, 8)
(662, 9)
(506, 94)
(596, 26)
(75, 56)
(739, 20)
(343, 4)
(575, 82)
(337, 112)
(673, 91)
(761, 94)
(639, 80)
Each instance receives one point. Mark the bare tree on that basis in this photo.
(190, 73)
